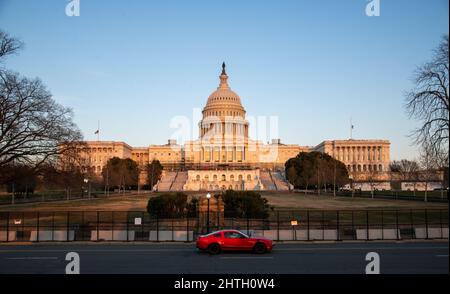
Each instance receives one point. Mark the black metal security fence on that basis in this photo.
(306, 225)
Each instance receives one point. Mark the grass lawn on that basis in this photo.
(281, 201)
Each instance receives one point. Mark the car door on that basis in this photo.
(244, 242)
(231, 240)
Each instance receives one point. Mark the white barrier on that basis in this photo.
(377, 234)
(171, 235)
(11, 236)
(270, 234)
(59, 235)
(286, 235)
(109, 235)
(322, 234)
(301, 235)
(433, 233)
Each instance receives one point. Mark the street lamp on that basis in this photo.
(89, 188)
(208, 196)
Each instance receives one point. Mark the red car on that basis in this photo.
(233, 240)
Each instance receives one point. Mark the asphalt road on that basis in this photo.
(183, 258)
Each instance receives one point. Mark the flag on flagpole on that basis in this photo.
(96, 132)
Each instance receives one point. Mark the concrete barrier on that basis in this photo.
(301, 235)
(11, 236)
(433, 233)
(183, 235)
(270, 234)
(322, 234)
(171, 236)
(109, 235)
(445, 233)
(377, 234)
(47, 235)
(286, 235)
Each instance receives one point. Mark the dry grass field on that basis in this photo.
(282, 201)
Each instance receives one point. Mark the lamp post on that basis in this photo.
(89, 188)
(208, 196)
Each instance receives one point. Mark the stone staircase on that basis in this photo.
(279, 180)
(166, 181)
(179, 181)
(267, 182)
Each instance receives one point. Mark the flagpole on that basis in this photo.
(351, 129)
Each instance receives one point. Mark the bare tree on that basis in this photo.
(427, 163)
(372, 176)
(33, 128)
(8, 45)
(407, 171)
(428, 102)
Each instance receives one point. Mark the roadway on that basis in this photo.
(430, 257)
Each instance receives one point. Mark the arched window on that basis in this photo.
(240, 177)
(215, 177)
(249, 177)
(224, 178)
(380, 167)
(197, 178)
(232, 178)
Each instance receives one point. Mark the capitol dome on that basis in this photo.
(223, 101)
(223, 113)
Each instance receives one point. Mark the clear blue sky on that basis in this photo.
(134, 65)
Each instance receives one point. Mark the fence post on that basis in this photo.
(187, 229)
(353, 226)
(382, 224)
(128, 228)
(112, 225)
(53, 226)
(248, 222)
(157, 229)
(172, 230)
(142, 227)
(367, 225)
(68, 226)
(337, 225)
(23, 224)
(7, 227)
(396, 223)
(83, 226)
(278, 226)
(412, 224)
(323, 225)
(98, 219)
(37, 227)
(426, 223)
(307, 224)
(440, 221)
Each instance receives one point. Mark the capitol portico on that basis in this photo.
(225, 157)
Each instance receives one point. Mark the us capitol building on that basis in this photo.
(225, 157)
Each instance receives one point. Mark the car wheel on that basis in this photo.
(260, 248)
(214, 248)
